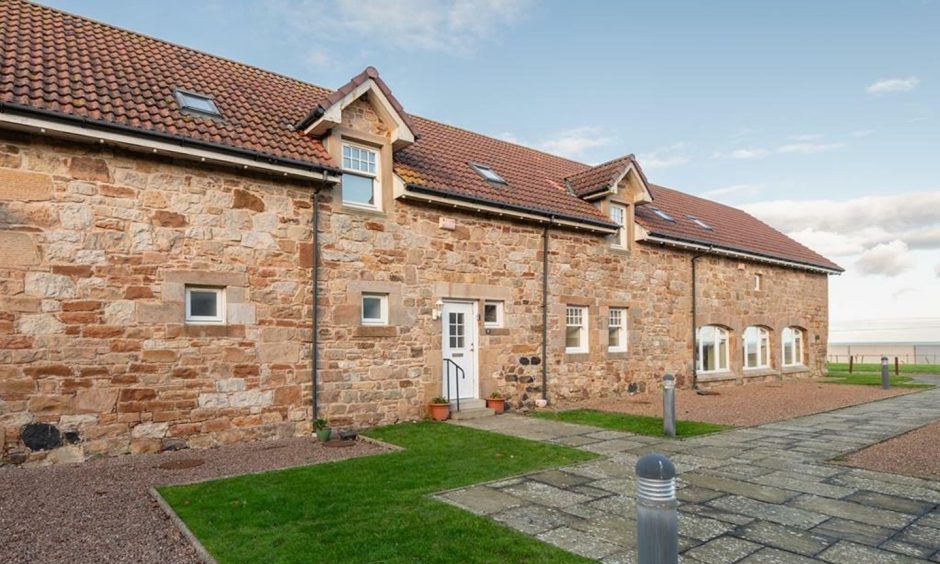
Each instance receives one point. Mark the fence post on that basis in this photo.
(897, 367)
(850, 363)
(885, 378)
(669, 405)
(657, 517)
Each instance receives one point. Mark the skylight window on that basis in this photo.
(700, 223)
(487, 173)
(200, 104)
(662, 215)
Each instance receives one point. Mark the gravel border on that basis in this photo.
(915, 453)
(103, 510)
(749, 404)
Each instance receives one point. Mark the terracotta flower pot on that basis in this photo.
(541, 402)
(496, 404)
(439, 411)
(323, 435)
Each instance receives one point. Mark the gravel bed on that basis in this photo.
(101, 511)
(916, 453)
(750, 404)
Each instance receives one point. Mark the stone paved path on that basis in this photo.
(759, 494)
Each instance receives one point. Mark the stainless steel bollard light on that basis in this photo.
(669, 405)
(657, 516)
(885, 378)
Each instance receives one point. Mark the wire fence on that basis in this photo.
(876, 358)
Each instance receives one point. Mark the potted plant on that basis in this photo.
(323, 430)
(496, 402)
(439, 408)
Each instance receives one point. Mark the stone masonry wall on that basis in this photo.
(94, 354)
(98, 246)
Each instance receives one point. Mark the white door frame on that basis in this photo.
(473, 332)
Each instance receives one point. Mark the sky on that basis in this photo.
(820, 118)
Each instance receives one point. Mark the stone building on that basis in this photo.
(195, 251)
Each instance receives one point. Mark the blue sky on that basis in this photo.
(822, 118)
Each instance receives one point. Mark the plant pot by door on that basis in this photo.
(323, 435)
(439, 411)
(496, 404)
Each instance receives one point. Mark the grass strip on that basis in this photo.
(639, 424)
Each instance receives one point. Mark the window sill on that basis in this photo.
(496, 331)
(620, 250)
(577, 356)
(617, 355)
(366, 210)
(714, 376)
(759, 372)
(212, 330)
(795, 369)
(375, 331)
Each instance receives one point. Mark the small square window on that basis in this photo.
(487, 173)
(758, 281)
(700, 223)
(618, 214)
(492, 314)
(662, 215)
(617, 329)
(200, 104)
(205, 305)
(375, 309)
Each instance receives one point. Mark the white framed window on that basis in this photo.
(618, 214)
(758, 281)
(361, 177)
(576, 333)
(487, 173)
(492, 314)
(205, 305)
(617, 329)
(711, 349)
(756, 347)
(792, 339)
(375, 309)
(200, 104)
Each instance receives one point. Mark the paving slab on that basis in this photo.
(853, 511)
(775, 556)
(769, 494)
(791, 516)
(482, 500)
(785, 538)
(848, 552)
(891, 503)
(578, 542)
(533, 519)
(723, 550)
(838, 529)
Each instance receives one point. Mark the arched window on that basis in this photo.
(756, 347)
(711, 349)
(792, 346)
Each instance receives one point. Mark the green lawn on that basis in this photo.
(871, 379)
(876, 368)
(640, 424)
(373, 509)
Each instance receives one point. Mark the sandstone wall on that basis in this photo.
(98, 246)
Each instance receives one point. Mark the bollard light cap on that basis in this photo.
(655, 466)
(669, 382)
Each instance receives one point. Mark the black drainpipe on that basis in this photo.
(695, 325)
(545, 313)
(315, 290)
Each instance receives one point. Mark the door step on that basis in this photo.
(471, 413)
(467, 403)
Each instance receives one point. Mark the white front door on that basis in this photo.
(459, 366)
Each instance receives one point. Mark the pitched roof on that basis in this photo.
(600, 177)
(71, 66)
(731, 228)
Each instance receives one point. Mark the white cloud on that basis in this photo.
(742, 154)
(734, 190)
(887, 259)
(573, 143)
(450, 26)
(860, 226)
(862, 132)
(317, 58)
(893, 85)
(509, 137)
(665, 157)
(809, 148)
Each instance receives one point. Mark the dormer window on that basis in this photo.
(487, 173)
(700, 223)
(198, 104)
(360, 177)
(662, 215)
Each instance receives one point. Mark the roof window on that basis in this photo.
(662, 214)
(487, 173)
(199, 104)
(700, 223)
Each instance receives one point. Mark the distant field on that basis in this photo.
(840, 367)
